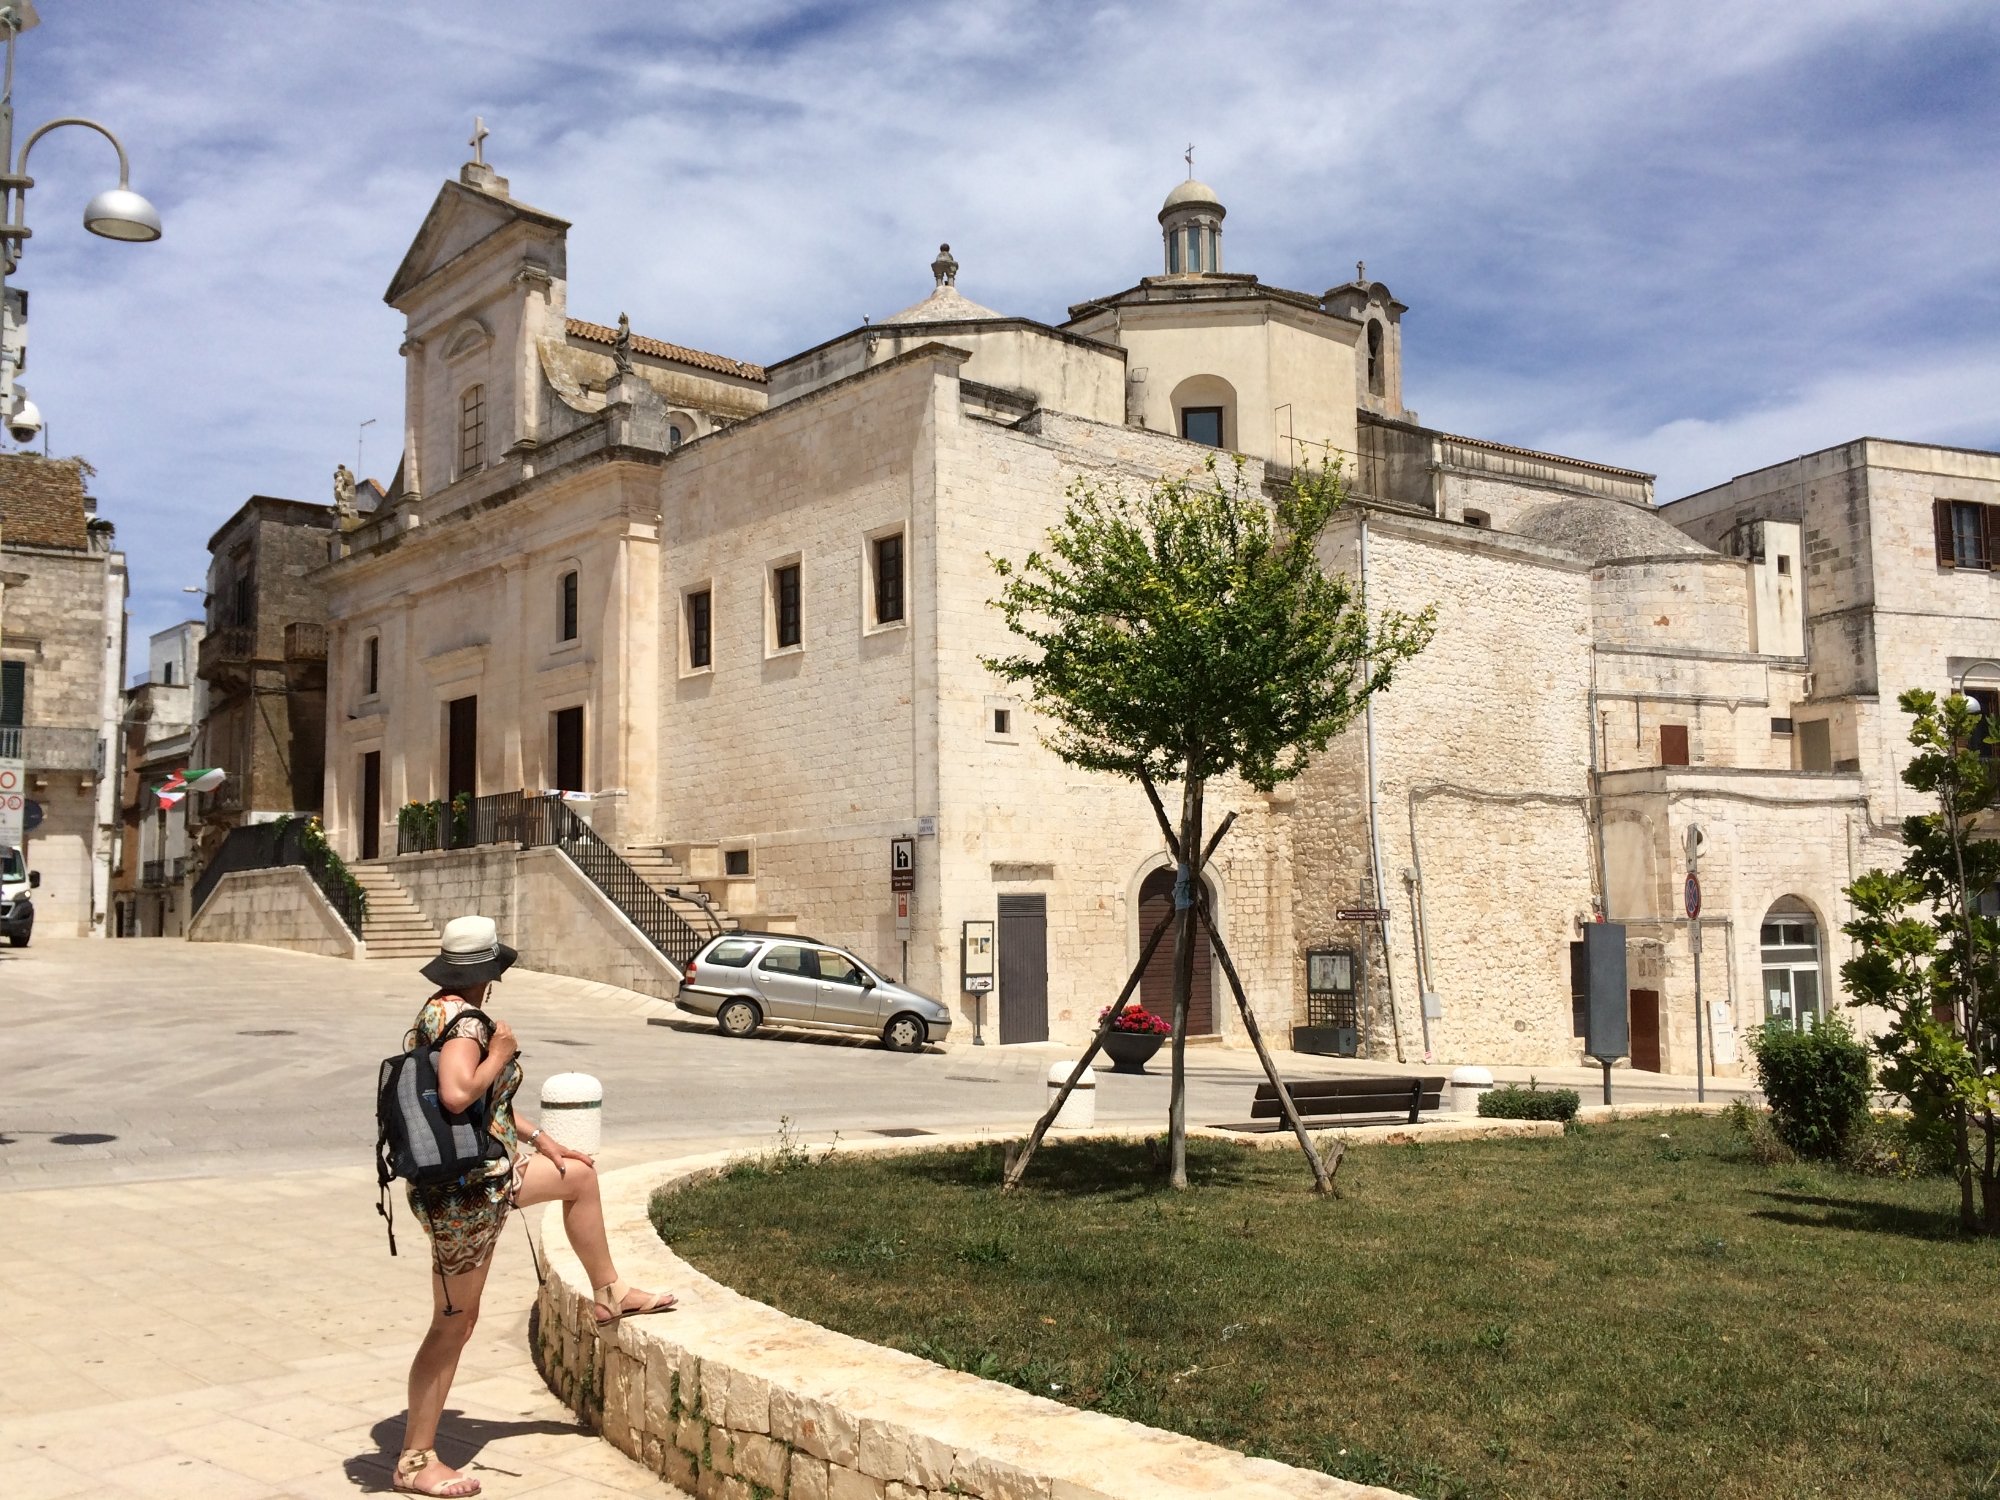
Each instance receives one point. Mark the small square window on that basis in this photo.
(1202, 424)
(736, 861)
(700, 644)
(1003, 721)
(1784, 566)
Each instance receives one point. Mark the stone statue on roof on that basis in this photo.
(621, 350)
(343, 497)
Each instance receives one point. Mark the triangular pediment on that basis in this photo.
(460, 218)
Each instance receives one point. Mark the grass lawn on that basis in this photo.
(1632, 1310)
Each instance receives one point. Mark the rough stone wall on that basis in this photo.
(279, 908)
(1726, 704)
(461, 883)
(1699, 602)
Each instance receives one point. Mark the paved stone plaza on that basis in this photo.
(200, 1300)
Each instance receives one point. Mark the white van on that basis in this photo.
(17, 910)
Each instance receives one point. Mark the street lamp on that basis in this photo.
(116, 213)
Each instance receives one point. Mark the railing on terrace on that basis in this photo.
(305, 640)
(153, 873)
(49, 749)
(675, 924)
(232, 643)
(271, 846)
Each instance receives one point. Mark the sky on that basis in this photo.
(1691, 238)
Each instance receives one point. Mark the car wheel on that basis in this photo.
(904, 1033)
(738, 1018)
(18, 939)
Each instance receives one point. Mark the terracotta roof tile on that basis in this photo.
(42, 502)
(597, 333)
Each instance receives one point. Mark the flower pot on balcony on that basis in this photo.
(1130, 1051)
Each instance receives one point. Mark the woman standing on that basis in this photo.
(481, 1060)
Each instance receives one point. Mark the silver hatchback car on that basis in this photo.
(744, 979)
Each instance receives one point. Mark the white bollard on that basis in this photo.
(1079, 1111)
(1467, 1084)
(573, 1111)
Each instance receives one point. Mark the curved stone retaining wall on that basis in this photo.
(733, 1400)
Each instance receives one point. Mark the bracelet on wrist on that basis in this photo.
(534, 1135)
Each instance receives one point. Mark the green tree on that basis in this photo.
(1191, 632)
(1928, 957)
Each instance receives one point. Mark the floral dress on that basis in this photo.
(465, 1217)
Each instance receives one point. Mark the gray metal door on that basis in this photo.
(1024, 969)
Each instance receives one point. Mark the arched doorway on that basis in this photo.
(1788, 944)
(1156, 986)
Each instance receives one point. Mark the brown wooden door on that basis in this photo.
(461, 771)
(1024, 968)
(1645, 1016)
(1156, 988)
(1673, 744)
(371, 805)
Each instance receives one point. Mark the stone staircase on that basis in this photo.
(394, 926)
(690, 877)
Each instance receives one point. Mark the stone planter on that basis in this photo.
(1130, 1051)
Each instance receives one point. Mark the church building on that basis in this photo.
(741, 609)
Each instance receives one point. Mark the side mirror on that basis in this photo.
(35, 879)
(867, 980)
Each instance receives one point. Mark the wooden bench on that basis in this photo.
(1321, 1099)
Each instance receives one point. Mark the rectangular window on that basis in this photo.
(1987, 700)
(566, 728)
(13, 693)
(736, 861)
(700, 649)
(1784, 566)
(1966, 534)
(1202, 424)
(244, 602)
(371, 666)
(1003, 721)
(1673, 744)
(569, 608)
(888, 578)
(785, 601)
(472, 429)
(461, 748)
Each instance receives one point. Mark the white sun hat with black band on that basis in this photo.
(471, 953)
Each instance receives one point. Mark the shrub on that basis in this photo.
(1752, 1128)
(1898, 1145)
(1531, 1103)
(1816, 1083)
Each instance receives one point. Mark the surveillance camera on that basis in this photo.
(25, 421)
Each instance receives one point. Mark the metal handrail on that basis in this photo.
(271, 846)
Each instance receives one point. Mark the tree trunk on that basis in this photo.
(1184, 944)
(1989, 1177)
(1961, 1131)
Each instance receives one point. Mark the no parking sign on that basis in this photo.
(13, 800)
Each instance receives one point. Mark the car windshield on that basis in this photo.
(12, 866)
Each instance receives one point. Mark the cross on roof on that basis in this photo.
(478, 140)
(1188, 157)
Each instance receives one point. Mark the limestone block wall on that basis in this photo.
(1726, 703)
(1700, 601)
(731, 1400)
(279, 908)
(461, 883)
(1482, 783)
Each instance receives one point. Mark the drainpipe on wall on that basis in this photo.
(1375, 828)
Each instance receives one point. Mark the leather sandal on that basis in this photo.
(613, 1296)
(414, 1461)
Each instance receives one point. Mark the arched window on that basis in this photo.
(1788, 944)
(471, 429)
(674, 438)
(1374, 356)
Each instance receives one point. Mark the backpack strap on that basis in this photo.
(470, 1013)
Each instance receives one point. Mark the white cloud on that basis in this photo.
(1661, 235)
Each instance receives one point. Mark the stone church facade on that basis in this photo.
(744, 609)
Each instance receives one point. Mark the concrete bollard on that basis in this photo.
(573, 1111)
(1467, 1084)
(1079, 1111)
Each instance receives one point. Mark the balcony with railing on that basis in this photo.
(42, 748)
(232, 646)
(305, 640)
(162, 874)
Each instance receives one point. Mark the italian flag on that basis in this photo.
(201, 779)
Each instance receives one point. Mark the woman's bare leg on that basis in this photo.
(431, 1372)
(575, 1187)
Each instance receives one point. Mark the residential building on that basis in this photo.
(161, 713)
(62, 650)
(262, 665)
